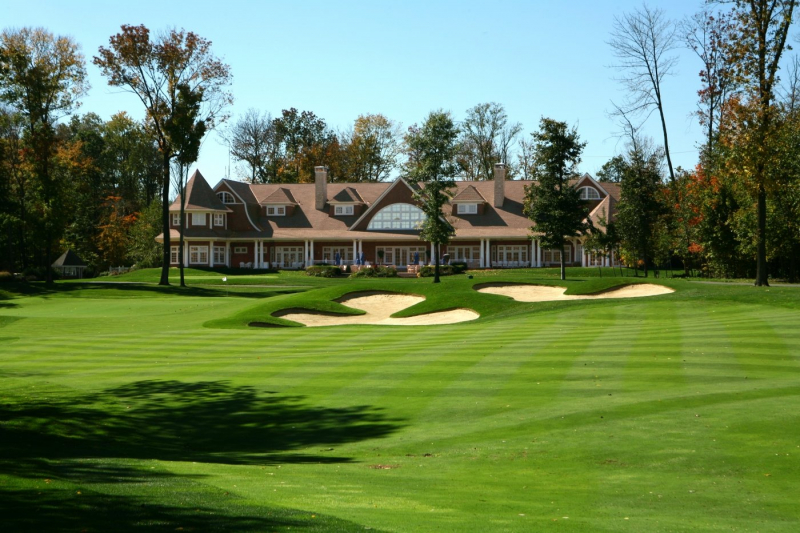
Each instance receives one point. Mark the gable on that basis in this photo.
(399, 192)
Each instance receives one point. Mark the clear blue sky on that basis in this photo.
(343, 58)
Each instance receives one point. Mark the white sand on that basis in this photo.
(541, 293)
(378, 309)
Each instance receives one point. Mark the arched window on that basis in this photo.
(226, 197)
(397, 216)
(589, 193)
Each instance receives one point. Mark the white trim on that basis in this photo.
(594, 181)
(244, 204)
(378, 200)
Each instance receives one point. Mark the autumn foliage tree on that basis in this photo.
(42, 76)
(155, 70)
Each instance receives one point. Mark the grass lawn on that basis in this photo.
(133, 407)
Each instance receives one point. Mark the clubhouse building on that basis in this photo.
(291, 226)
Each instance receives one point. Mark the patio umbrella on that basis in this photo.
(337, 259)
(363, 259)
(416, 258)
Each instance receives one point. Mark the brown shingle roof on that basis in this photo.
(347, 195)
(307, 222)
(280, 196)
(469, 194)
(199, 196)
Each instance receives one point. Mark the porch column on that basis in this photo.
(489, 253)
(538, 252)
(532, 252)
(482, 264)
(312, 251)
(185, 253)
(433, 257)
(211, 254)
(228, 254)
(305, 253)
(255, 254)
(611, 255)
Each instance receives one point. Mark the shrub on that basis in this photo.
(444, 270)
(375, 272)
(459, 267)
(323, 271)
(6, 277)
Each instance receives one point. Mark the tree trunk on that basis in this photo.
(762, 279)
(563, 267)
(436, 263)
(666, 141)
(165, 221)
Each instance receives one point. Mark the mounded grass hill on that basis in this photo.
(130, 406)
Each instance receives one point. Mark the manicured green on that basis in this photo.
(128, 408)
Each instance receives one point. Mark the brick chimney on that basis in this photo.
(499, 184)
(320, 187)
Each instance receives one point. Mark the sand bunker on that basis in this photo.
(378, 307)
(541, 293)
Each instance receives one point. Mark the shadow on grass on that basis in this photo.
(185, 508)
(85, 462)
(101, 289)
(209, 421)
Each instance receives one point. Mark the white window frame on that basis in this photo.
(276, 210)
(198, 255)
(467, 209)
(343, 210)
(174, 254)
(219, 219)
(176, 219)
(399, 216)
(226, 197)
(240, 249)
(197, 220)
(219, 255)
(586, 195)
(345, 254)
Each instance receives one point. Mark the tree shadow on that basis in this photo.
(89, 511)
(102, 289)
(210, 421)
(84, 462)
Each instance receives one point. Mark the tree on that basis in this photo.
(706, 34)
(306, 141)
(642, 41)
(486, 139)
(155, 71)
(432, 151)
(14, 190)
(253, 140)
(553, 204)
(639, 207)
(371, 148)
(612, 170)
(755, 50)
(43, 77)
(188, 132)
(143, 249)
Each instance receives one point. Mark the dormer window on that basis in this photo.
(467, 209)
(343, 210)
(276, 210)
(589, 193)
(219, 219)
(226, 197)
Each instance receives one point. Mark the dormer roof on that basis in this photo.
(281, 196)
(468, 194)
(348, 195)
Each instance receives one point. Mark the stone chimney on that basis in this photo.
(320, 187)
(499, 184)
